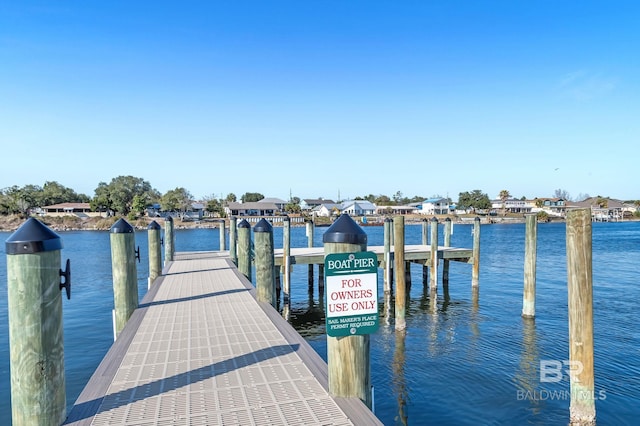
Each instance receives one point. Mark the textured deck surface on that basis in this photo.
(202, 351)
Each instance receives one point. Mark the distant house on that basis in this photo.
(396, 209)
(326, 210)
(511, 205)
(311, 203)
(255, 208)
(279, 203)
(358, 208)
(435, 206)
(553, 206)
(606, 209)
(68, 209)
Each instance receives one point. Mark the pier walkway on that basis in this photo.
(200, 350)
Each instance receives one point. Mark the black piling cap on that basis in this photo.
(153, 225)
(263, 226)
(345, 230)
(121, 227)
(33, 236)
(168, 219)
(434, 219)
(286, 218)
(244, 224)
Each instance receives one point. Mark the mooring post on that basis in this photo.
(223, 235)
(348, 356)
(286, 257)
(425, 241)
(530, 255)
(580, 286)
(35, 325)
(233, 239)
(388, 268)
(155, 252)
(310, 245)
(434, 253)
(169, 240)
(125, 275)
(265, 280)
(244, 248)
(401, 289)
(475, 273)
(448, 227)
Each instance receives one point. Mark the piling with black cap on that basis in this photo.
(233, 239)
(155, 251)
(348, 356)
(433, 276)
(286, 256)
(169, 240)
(265, 279)
(244, 248)
(125, 274)
(35, 324)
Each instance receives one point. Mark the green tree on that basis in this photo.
(176, 200)
(213, 205)
(474, 200)
(504, 196)
(249, 197)
(119, 194)
(231, 198)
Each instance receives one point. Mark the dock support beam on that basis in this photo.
(35, 325)
(530, 255)
(580, 287)
(348, 356)
(265, 280)
(125, 274)
(155, 252)
(401, 290)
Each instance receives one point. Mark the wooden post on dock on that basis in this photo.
(388, 264)
(265, 280)
(125, 275)
(223, 235)
(580, 286)
(434, 253)
(425, 241)
(401, 289)
(244, 248)
(310, 245)
(155, 252)
(475, 272)
(169, 240)
(35, 325)
(233, 239)
(348, 359)
(286, 257)
(448, 227)
(530, 242)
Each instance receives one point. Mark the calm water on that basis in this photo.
(466, 358)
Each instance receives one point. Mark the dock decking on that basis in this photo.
(200, 350)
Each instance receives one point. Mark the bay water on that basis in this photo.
(467, 357)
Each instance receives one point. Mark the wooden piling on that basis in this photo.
(448, 227)
(530, 255)
(286, 257)
(244, 248)
(388, 268)
(35, 326)
(425, 241)
(223, 235)
(401, 290)
(475, 271)
(125, 275)
(348, 360)
(433, 277)
(155, 252)
(233, 239)
(310, 229)
(169, 240)
(580, 288)
(265, 280)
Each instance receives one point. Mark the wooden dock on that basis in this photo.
(200, 350)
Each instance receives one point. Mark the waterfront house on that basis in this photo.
(552, 206)
(435, 206)
(396, 210)
(326, 210)
(254, 208)
(68, 209)
(358, 208)
(279, 203)
(511, 205)
(309, 204)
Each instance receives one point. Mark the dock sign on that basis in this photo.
(351, 288)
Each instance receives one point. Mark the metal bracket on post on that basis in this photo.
(67, 279)
(137, 252)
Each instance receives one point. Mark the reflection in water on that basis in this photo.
(399, 382)
(527, 377)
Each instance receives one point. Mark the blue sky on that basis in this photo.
(323, 98)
